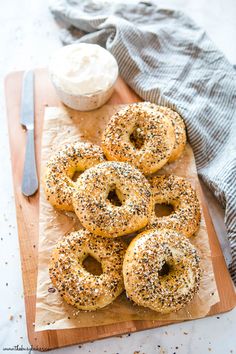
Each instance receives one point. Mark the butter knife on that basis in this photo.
(30, 179)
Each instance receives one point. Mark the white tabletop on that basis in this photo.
(28, 37)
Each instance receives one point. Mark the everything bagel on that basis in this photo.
(75, 284)
(73, 157)
(97, 213)
(140, 134)
(178, 192)
(180, 132)
(161, 270)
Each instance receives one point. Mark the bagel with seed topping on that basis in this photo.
(180, 132)
(96, 211)
(75, 284)
(71, 158)
(178, 192)
(161, 270)
(140, 134)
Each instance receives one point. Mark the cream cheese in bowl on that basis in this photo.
(84, 75)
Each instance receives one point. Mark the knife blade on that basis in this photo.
(30, 179)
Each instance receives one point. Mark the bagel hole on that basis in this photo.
(76, 175)
(163, 209)
(165, 270)
(137, 138)
(92, 265)
(113, 198)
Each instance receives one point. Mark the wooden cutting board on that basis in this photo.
(27, 210)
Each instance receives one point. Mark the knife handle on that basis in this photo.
(30, 179)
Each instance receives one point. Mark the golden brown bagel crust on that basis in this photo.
(178, 192)
(71, 158)
(180, 132)
(151, 130)
(95, 211)
(161, 270)
(79, 287)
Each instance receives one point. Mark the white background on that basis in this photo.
(28, 36)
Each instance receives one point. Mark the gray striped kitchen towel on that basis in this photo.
(167, 59)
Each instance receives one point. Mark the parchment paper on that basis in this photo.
(62, 125)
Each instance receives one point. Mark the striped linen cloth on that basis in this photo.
(167, 59)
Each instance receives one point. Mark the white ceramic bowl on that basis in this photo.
(84, 102)
(104, 76)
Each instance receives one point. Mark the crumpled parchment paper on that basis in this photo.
(62, 125)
